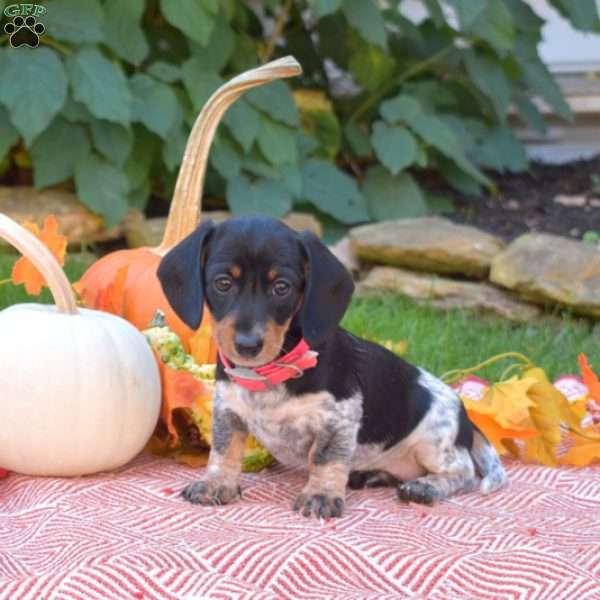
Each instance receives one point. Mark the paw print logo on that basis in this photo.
(24, 32)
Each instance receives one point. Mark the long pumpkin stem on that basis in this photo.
(34, 250)
(187, 199)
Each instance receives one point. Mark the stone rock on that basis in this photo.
(430, 244)
(566, 200)
(140, 231)
(442, 292)
(75, 221)
(344, 252)
(548, 269)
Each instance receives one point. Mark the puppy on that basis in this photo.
(355, 413)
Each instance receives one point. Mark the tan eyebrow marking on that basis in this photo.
(272, 275)
(235, 271)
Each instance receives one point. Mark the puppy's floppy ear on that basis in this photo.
(180, 275)
(328, 290)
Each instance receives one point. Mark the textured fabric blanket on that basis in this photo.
(128, 535)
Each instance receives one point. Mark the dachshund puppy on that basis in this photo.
(311, 392)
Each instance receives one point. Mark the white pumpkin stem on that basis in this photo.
(44, 261)
(187, 198)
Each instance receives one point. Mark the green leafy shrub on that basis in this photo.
(108, 98)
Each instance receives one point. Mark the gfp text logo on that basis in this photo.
(24, 29)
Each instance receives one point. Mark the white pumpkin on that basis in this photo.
(79, 389)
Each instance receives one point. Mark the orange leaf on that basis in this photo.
(589, 377)
(507, 402)
(180, 390)
(546, 414)
(582, 454)
(495, 433)
(24, 271)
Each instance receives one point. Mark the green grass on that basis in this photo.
(441, 341)
(437, 340)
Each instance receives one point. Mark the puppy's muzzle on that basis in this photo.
(248, 345)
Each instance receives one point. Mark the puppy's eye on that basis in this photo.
(223, 284)
(281, 287)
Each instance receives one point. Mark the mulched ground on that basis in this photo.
(527, 202)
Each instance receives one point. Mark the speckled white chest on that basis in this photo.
(288, 425)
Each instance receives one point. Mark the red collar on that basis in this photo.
(290, 366)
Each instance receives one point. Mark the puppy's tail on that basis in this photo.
(487, 462)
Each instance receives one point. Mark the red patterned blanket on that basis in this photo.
(128, 535)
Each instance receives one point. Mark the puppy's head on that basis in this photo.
(257, 277)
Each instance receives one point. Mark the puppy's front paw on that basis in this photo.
(211, 492)
(418, 491)
(320, 505)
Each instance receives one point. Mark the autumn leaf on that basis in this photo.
(180, 390)
(589, 377)
(498, 435)
(24, 272)
(507, 402)
(549, 405)
(582, 453)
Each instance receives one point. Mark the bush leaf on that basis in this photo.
(539, 79)
(365, 17)
(262, 196)
(325, 7)
(195, 18)
(164, 71)
(76, 21)
(112, 140)
(155, 104)
(333, 192)
(495, 26)
(502, 151)
(56, 150)
(33, 87)
(436, 133)
(199, 82)
(224, 158)
(100, 84)
(402, 108)
(394, 146)
(583, 14)
(468, 11)
(275, 100)
(490, 78)
(243, 123)
(393, 197)
(277, 142)
(102, 187)
(8, 134)
(123, 31)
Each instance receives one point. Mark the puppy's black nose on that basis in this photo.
(248, 344)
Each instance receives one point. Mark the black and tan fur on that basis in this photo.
(361, 417)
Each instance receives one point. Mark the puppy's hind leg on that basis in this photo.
(371, 479)
(450, 470)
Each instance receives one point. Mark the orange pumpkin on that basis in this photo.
(125, 282)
